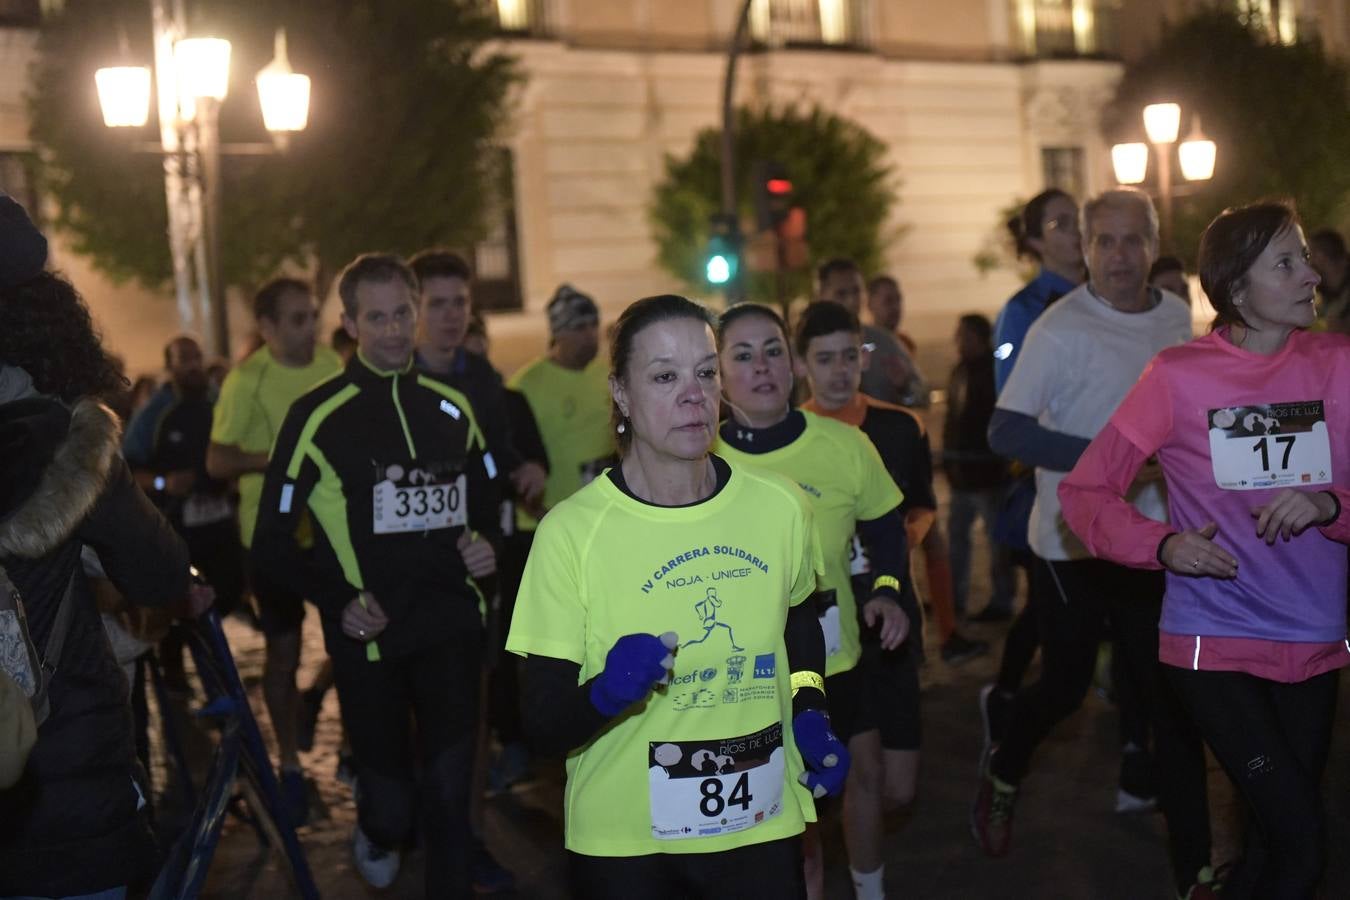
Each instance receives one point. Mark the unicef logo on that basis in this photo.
(708, 674)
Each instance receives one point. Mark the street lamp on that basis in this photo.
(193, 77)
(1162, 123)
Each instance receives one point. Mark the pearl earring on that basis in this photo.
(622, 428)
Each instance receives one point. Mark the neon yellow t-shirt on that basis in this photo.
(846, 481)
(572, 410)
(253, 402)
(721, 574)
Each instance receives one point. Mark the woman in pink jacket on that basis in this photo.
(1251, 426)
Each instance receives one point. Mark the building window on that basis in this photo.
(1277, 18)
(779, 23)
(1061, 28)
(496, 258)
(520, 16)
(1062, 167)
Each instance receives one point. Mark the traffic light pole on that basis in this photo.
(734, 291)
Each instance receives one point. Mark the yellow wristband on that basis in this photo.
(805, 679)
(886, 581)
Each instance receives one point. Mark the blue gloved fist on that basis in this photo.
(825, 755)
(634, 665)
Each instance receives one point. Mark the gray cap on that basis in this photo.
(570, 308)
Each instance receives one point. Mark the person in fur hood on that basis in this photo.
(71, 826)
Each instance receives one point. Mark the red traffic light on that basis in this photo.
(779, 186)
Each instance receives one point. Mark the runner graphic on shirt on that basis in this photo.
(707, 613)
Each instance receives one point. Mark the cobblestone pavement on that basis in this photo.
(1068, 844)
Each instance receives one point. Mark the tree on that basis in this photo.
(1280, 115)
(840, 178)
(405, 99)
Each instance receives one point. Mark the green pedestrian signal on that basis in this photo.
(719, 267)
(722, 260)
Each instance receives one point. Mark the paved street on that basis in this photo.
(1068, 842)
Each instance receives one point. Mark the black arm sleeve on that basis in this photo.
(486, 489)
(284, 501)
(919, 490)
(489, 405)
(887, 548)
(524, 429)
(557, 712)
(805, 644)
(141, 553)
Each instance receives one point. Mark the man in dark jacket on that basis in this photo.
(70, 826)
(978, 478)
(390, 466)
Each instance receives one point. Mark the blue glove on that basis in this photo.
(634, 665)
(825, 755)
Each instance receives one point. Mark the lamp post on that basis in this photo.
(192, 78)
(1162, 122)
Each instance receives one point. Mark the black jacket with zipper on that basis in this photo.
(340, 443)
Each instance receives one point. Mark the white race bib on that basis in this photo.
(423, 507)
(704, 788)
(1275, 445)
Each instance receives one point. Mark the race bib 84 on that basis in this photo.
(1273, 445)
(702, 788)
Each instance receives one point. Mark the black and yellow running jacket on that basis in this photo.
(391, 467)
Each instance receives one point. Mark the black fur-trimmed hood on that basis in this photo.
(54, 465)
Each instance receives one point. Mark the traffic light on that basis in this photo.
(723, 258)
(773, 194)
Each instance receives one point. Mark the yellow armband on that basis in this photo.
(886, 581)
(804, 679)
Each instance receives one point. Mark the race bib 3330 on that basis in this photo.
(419, 507)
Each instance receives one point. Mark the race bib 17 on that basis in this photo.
(402, 507)
(1266, 446)
(704, 788)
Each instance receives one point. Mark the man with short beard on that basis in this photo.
(165, 445)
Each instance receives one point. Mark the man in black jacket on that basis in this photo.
(391, 467)
(70, 826)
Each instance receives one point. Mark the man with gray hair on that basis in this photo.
(1079, 360)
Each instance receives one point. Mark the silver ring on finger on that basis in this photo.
(1196, 564)
(361, 632)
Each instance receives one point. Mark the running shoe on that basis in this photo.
(307, 719)
(379, 867)
(294, 795)
(1136, 793)
(991, 815)
(1206, 887)
(959, 649)
(489, 876)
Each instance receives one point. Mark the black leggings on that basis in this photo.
(1273, 740)
(771, 869)
(1074, 602)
